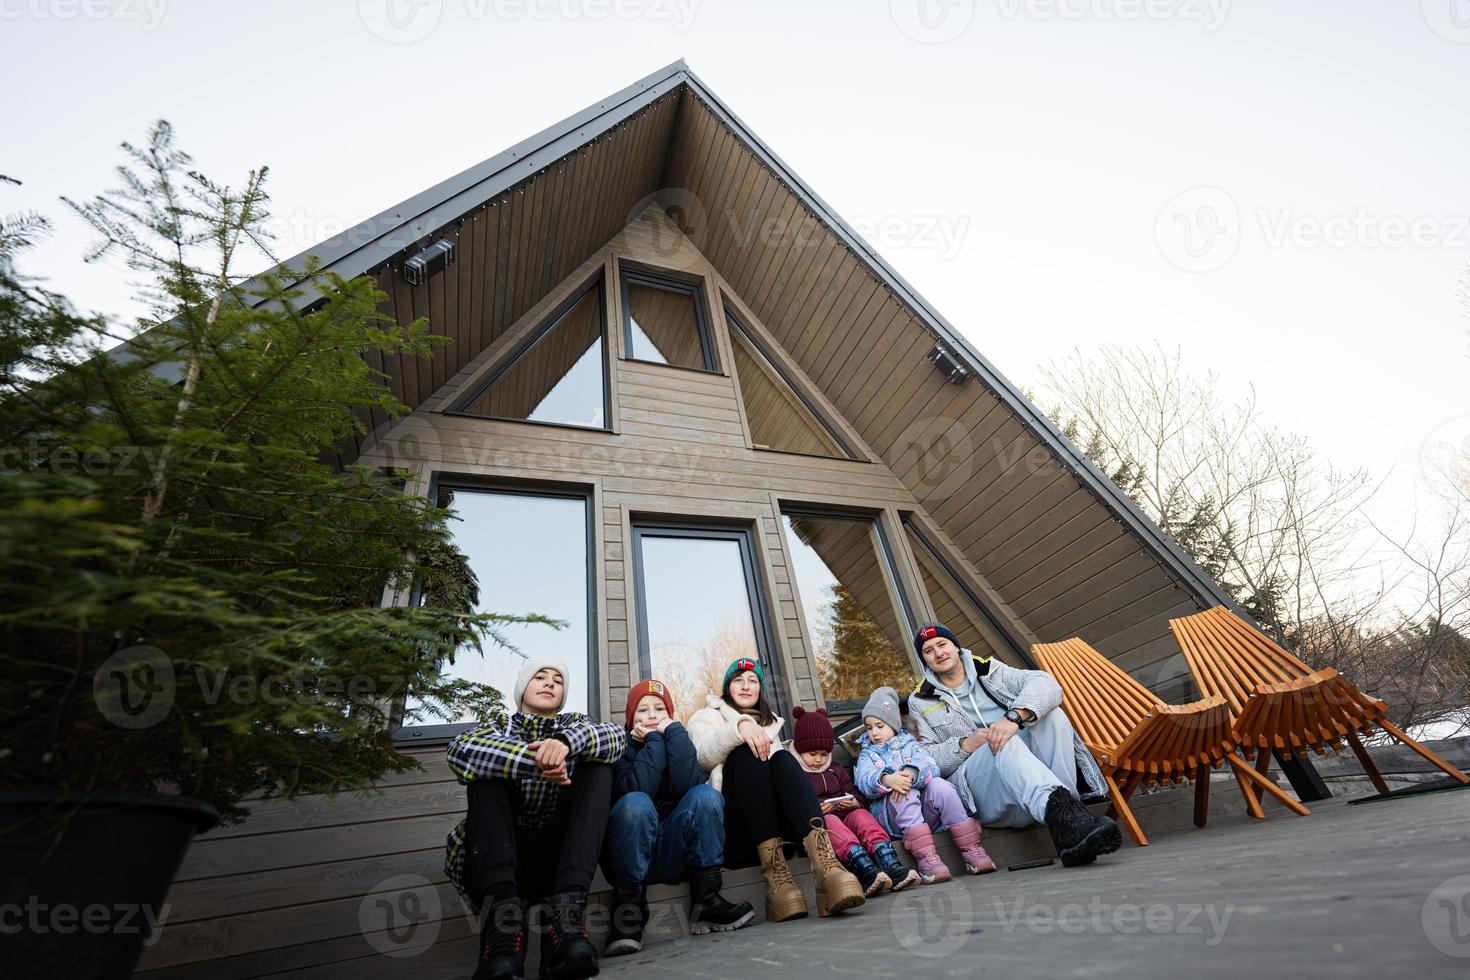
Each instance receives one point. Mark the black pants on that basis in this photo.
(764, 800)
(505, 860)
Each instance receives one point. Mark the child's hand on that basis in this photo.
(638, 733)
(663, 726)
(551, 759)
(828, 806)
(847, 805)
(899, 782)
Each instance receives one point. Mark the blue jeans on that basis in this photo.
(640, 849)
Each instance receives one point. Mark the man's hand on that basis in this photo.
(754, 736)
(1000, 734)
(973, 741)
(551, 759)
(899, 782)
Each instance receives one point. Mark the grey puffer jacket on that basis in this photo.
(942, 723)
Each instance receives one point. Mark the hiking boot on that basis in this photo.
(919, 842)
(966, 837)
(861, 865)
(629, 917)
(1079, 836)
(709, 911)
(783, 899)
(572, 955)
(900, 874)
(503, 942)
(837, 890)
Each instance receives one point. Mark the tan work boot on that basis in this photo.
(784, 899)
(837, 889)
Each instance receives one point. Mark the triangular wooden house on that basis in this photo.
(689, 411)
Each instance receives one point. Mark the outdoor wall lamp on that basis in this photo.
(948, 364)
(430, 261)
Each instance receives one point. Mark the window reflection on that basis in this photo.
(560, 379)
(859, 636)
(954, 608)
(697, 614)
(529, 553)
(663, 325)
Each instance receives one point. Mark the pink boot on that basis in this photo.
(919, 842)
(966, 836)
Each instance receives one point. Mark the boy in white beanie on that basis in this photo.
(539, 786)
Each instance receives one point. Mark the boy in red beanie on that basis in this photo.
(667, 824)
(861, 844)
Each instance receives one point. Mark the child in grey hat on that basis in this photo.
(910, 798)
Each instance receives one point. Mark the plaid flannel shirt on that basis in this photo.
(500, 749)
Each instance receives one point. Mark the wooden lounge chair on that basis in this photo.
(1138, 740)
(1279, 703)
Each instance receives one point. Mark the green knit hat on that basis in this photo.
(739, 664)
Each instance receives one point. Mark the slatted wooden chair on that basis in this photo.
(1280, 704)
(1138, 740)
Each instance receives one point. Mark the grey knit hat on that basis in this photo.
(528, 670)
(884, 705)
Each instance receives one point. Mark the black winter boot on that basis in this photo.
(629, 918)
(857, 861)
(899, 873)
(503, 942)
(572, 955)
(1079, 836)
(709, 911)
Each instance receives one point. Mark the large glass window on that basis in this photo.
(665, 319)
(529, 552)
(699, 607)
(956, 605)
(779, 417)
(559, 376)
(860, 621)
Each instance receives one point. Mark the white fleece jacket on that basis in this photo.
(714, 732)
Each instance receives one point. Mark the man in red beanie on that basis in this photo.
(666, 823)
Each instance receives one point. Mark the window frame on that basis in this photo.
(912, 528)
(889, 563)
(442, 732)
(765, 637)
(631, 272)
(597, 282)
(737, 325)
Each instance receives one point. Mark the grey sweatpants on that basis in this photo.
(1011, 789)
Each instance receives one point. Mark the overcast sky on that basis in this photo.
(1278, 188)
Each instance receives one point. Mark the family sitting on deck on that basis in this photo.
(552, 793)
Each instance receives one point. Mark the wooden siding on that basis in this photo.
(1059, 561)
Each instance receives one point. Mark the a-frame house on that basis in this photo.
(686, 409)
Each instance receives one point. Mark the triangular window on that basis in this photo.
(559, 375)
(779, 416)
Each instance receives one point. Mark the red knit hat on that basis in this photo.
(813, 730)
(643, 688)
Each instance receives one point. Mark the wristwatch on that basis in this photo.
(1012, 715)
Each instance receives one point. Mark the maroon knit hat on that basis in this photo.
(641, 690)
(813, 730)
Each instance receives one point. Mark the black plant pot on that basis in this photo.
(82, 883)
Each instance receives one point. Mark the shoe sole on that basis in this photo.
(842, 904)
(704, 928)
(912, 878)
(1104, 839)
(622, 947)
(787, 913)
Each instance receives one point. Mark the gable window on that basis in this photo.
(665, 318)
(859, 618)
(528, 548)
(559, 374)
(780, 416)
(958, 606)
(700, 606)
